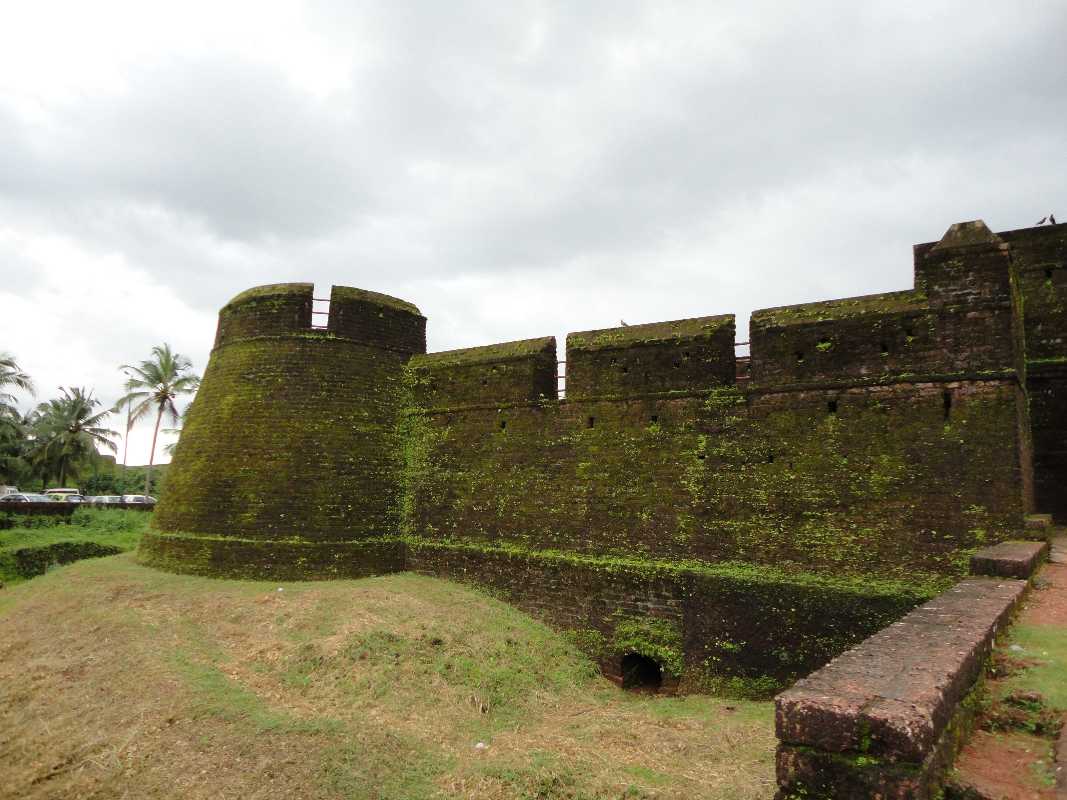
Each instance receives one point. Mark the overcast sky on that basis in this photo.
(515, 169)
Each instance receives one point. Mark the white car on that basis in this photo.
(110, 499)
(138, 498)
(63, 494)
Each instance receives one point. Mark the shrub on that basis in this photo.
(110, 519)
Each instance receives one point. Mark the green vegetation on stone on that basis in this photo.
(886, 303)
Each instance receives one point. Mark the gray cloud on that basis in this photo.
(537, 167)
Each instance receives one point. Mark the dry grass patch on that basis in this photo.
(121, 681)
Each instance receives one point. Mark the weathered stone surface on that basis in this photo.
(1058, 550)
(1009, 559)
(1038, 522)
(892, 696)
(968, 234)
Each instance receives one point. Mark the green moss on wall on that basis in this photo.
(891, 303)
(657, 639)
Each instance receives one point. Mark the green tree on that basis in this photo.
(102, 483)
(154, 386)
(13, 428)
(173, 446)
(13, 444)
(67, 431)
(11, 375)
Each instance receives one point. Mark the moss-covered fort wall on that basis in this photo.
(1040, 256)
(738, 530)
(289, 461)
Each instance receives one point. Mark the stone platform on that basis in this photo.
(1018, 559)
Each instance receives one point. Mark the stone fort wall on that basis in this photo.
(740, 527)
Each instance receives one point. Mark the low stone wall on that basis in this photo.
(727, 628)
(1014, 559)
(885, 718)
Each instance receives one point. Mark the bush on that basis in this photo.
(110, 519)
(11, 519)
(32, 561)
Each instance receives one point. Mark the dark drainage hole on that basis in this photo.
(641, 673)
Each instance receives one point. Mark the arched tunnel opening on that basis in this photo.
(641, 673)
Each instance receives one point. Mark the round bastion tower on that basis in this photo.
(289, 463)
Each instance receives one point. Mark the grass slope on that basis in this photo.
(120, 681)
(112, 527)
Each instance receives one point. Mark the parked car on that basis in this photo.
(22, 497)
(73, 498)
(138, 498)
(103, 499)
(61, 494)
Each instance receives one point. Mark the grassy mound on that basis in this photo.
(35, 544)
(121, 681)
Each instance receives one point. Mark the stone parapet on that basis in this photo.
(1009, 559)
(878, 720)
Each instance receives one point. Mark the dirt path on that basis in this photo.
(1012, 756)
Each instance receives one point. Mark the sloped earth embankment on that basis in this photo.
(121, 681)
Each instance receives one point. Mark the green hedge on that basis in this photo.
(30, 562)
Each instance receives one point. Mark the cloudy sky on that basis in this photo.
(515, 169)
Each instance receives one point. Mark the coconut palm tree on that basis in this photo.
(11, 375)
(67, 432)
(13, 445)
(12, 423)
(170, 449)
(153, 386)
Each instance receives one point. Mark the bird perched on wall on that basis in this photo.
(1041, 221)
(623, 323)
